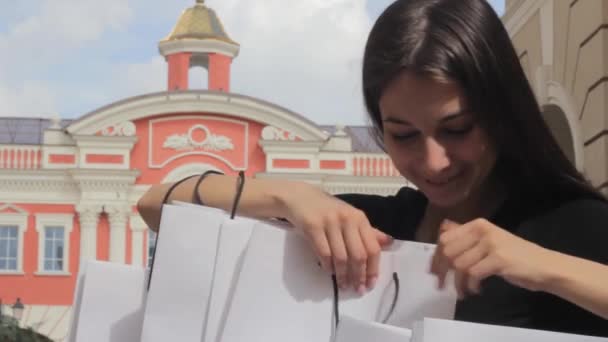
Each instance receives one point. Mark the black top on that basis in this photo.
(578, 227)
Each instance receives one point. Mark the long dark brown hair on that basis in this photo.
(464, 41)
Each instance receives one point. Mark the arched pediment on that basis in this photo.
(190, 101)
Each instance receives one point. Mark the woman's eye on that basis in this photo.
(459, 131)
(404, 136)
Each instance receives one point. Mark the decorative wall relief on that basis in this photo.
(121, 129)
(175, 137)
(188, 141)
(274, 133)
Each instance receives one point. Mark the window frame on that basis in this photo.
(44, 221)
(20, 221)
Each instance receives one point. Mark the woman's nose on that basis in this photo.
(435, 158)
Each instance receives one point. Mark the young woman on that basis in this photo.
(452, 107)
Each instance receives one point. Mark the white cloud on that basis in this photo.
(304, 55)
(44, 39)
(36, 96)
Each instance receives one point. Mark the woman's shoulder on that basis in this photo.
(593, 212)
(578, 227)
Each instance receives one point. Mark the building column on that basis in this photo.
(117, 215)
(88, 216)
(138, 228)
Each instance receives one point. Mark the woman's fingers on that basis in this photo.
(373, 246)
(321, 246)
(382, 238)
(339, 254)
(357, 257)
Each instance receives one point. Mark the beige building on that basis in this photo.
(563, 45)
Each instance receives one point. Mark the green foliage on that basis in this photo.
(11, 332)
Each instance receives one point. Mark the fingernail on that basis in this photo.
(361, 289)
(372, 282)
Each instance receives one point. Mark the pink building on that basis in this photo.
(69, 188)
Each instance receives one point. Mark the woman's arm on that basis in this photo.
(479, 249)
(260, 198)
(580, 281)
(340, 234)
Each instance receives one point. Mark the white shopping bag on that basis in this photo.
(405, 291)
(108, 303)
(234, 235)
(438, 330)
(282, 294)
(182, 274)
(354, 330)
(418, 296)
(234, 238)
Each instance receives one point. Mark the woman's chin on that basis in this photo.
(445, 198)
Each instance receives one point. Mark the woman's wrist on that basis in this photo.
(557, 273)
(282, 195)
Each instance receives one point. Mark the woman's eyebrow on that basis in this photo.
(449, 117)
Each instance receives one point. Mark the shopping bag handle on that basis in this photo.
(337, 299)
(196, 199)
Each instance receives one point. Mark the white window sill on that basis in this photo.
(5, 273)
(52, 274)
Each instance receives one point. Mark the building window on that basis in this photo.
(12, 228)
(9, 243)
(151, 246)
(54, 243)
(53, 248)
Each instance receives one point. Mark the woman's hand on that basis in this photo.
(341, 235)
(479, 249)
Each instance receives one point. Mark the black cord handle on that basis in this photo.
(240, 184)
(165, 199)
(337, 299)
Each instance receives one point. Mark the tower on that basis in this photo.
(199, 39)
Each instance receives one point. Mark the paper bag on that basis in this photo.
(354, 330)
(181, 279)
(282, 294)
(405, 291)
(108, 303)
(437, 330)
(418, 296)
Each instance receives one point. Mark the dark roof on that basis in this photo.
(29, 131)
(362, 138)
(24, 131)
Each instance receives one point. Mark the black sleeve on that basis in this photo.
(396, 215)
(578, 228)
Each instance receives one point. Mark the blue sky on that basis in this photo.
(69, 57)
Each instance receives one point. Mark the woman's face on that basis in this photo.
(434, 140)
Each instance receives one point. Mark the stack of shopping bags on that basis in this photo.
(217, 279)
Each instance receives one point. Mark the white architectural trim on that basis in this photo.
(138, 229)
(47, 151)
(188, 170)
(210, 154)
(195, 46)
(522, 15)
(277, 146)
(59, 220)
(118, 215)
(18, 219)
(198, 101)
(109, 142)
(547, 13)
(557, 95)
(88, 215)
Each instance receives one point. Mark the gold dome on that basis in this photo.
(199, 22)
